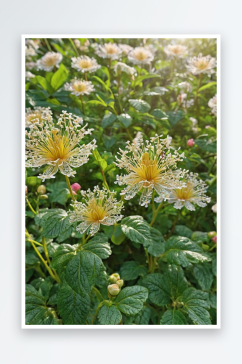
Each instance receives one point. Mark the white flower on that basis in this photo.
(140, 55)
(193, 120)
(176, 50)
(29, 75)
(122, 67)
(85, 64)
(213, 104)
(33, 43)
(193, 193)
(79, 87)
(30, 65)
(186, 86)
(214, 208)
(125, 48)
(200, 64)
(49, 61)
(29, 52)
(109, 50)
(38, 115)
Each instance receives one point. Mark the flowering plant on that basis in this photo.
(121, 182)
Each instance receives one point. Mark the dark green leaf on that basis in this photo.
(55, 223)
(125, 119)
(140, 105)
(195, 305)
(130, 300)
(136, 229)
(182, 230)
(203, 275)
(174, 117)
(62, 256)
(155, 284)
(109, 315)
(132, 270)
(99, 245)
(108, 119)
(173, 317)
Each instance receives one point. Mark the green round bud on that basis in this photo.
(205, 247)
(43, 197)
(120, 283)
(211, 234)
(114, 277)
(41, 190)
(113, 289)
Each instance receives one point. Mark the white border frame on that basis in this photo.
(119, 327)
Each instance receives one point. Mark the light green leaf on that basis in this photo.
(145, 77)
(59, 77)
(208, 85)
(173, 317)
(140, 105)
(130, 300)
(125, 119)
(132, 270)
(109, 315)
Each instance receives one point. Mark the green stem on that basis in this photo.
(109, 68)
(83, 111)
(31, 208)
(213, 247)
(156, 213)
(69, 188)
(45, 249)
(74, 47)
(98, 308)
(85, 75)
(47, 44)
(198, 87)
(129, 135)
(174, 225)
(97, 294)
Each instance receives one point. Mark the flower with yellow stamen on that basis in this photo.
(200, 64)
(175, 50)
(150, 167)
(38, 115)
(49, 61)
(125, 48)
(79, 87)
(141, 55)
(99, 207)
(58, 145)
(213, 104)
(109, 50)
(85, 64)
(192, 193)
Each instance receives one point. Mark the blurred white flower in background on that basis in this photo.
(85, 64)
(176, 50)
(79, 87)
(49, 61)
(201, 64)
(141, 55)
(108, 50)
(213, 104)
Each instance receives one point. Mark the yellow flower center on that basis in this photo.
(96, 212)
(33, 118)
(202, 64)
(50, 61)
(147, 169)
(110, 49)
(140, 55)
(185, 193)
(79, 86)
(56, 147)
(84, 63)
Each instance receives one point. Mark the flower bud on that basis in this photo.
(120, 283)
(113, 289)
(214, 239)
(26, 190)
(190, 143)
(75, 187)
(41, 190)
(205, 247)
(114, 277)
(43, 197)
(211, 234)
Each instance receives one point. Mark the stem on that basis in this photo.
(98, 308)
(74, 47)
(81, 97)
(153, 203)
(69, 187)
(37, 205)
(129, 135)
(31, 208)
(198, 87)
(98, 294)
(47, 44)
(109, 67)
(214, 246)
(156, 213)
(85, 75)
(45, 249)
(174, 225)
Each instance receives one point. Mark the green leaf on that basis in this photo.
(132, 270)
(36, 311)
(173, 317)
(140, 105)
(99, 245)
(118, 236)
(125, 119)
(59, 196)
(82, 272)
(62, 256)
(182, 251)
(157, 294)
(157, 113)
(102, 163)
(207, 145)
(214, 266)
(145, 77)
(108, 119)
(136, 229)
(55, 223)
(200, 237)
(203, 275)
(182, 230)
(174, 281)
(73, 307)
(108, 141)
(42, 82)
(195, 304)
(59, 77)
(109, 315)
(130, 300)
(143, 317)
(156, 246)
(31, 257)
(208, 85)
(174, 117)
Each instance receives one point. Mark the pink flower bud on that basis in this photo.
(190, 143)
(26, 190)
(214, 239)
(207, 126)
(75, 187)
(74, 193)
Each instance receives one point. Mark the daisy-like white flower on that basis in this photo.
(214, 208)
(83, 47)
(193, 120)
(213, 104)
(109, 50)
(79, 87)
(99, 207)
(30, 65)
(85, 64)
(200, 64)
(49, 61)
(58, 145)
(150, 166)
(122, 67)
(175, 50)
(141, 55)
(125, 48)
(38, 115)
(186, 86)
(29, 75)
(33, 43)
(192, 193)
(29, 52)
